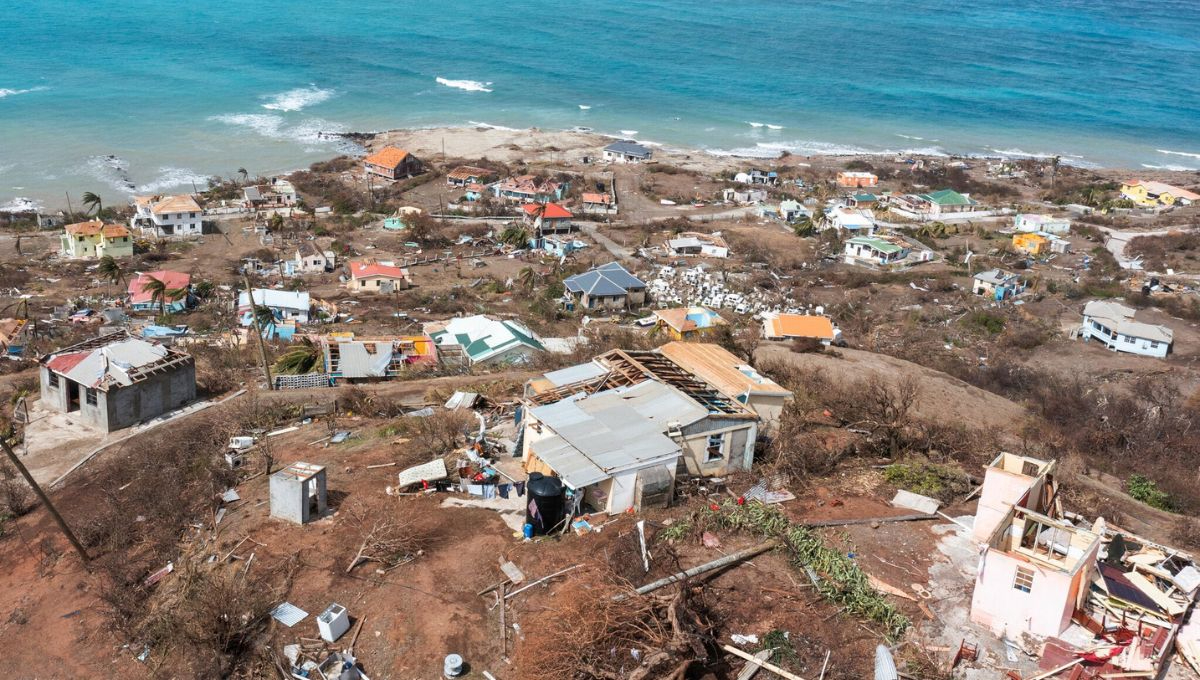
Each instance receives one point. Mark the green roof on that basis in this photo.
(866, 197)
(948, 197)
(876, 244)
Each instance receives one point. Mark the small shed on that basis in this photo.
(298, 493)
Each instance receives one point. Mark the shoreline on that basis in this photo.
(568, 146)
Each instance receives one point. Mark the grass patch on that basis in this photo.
(984, 321)
(783, 652)
(928, 479)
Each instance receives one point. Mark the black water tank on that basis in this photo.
(546, 494)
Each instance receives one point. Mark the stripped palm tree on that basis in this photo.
(94, 201)
(515, 235)
(111, 270)
(528, 278)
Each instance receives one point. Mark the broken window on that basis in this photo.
(1046, 540)
(90, 396)
(1029, 469)
(53, 380)
(715, 450)
(1023, 581)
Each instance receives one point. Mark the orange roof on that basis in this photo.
(597, 198)
(720, 368)
(684, 319)
(388, 157)
(96, 227)
(362, 270)
(552, 211)
(800, 326)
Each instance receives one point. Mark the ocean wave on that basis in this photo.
(170, 177)
(628, 133)
(12, 93)
(754, 125)
(1170, 167)
(297, 99)
(774, 127)
(468, 85)
(20, 204)
(316, 134)
(584, 107)
(815, 148)
(1178, 153)
(489, 126)
(111, 170)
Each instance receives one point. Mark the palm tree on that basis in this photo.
(515, 235)
(1054, 163)
(93, 200)
(110, 270)
(160, 294)
(243, 173)
(528, 278)
(300, 359)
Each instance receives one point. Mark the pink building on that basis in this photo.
(1035, 567)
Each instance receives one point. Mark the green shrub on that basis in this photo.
(984, 321)
(1144, 489)
(936, 481)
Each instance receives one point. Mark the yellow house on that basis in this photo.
(688, 323)
(1150, 194)
(96, 239)
(1031, 243)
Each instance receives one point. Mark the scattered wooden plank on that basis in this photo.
(867, 520)
(541, 580)
(728, 560)
(749, 669)
(762, 664)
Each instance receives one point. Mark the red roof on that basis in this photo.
(551, 211)
(65, 362)
(360, 270)
(173, 280)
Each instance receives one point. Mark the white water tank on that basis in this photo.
(453, 667)
(333, 622)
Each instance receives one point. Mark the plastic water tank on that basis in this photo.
(546, 493)
(453, 667)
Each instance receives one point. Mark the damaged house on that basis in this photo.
(610, 427)
(1103, 603)
(116, 380)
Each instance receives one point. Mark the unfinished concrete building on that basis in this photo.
(298, 493)
(116, 380)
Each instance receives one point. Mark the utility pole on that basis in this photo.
(262, 344)
(58, 519)
(70, 208)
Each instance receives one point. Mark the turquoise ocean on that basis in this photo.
(123, 96)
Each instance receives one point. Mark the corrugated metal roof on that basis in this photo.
(612, 431)
(364, 360)
(276, 299)
(574, 374)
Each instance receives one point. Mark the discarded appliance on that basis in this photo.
(333, 622)
(298, 493)
(241, 443)
(235, 459)
(427, 472)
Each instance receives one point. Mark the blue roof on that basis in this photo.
(607, 279)
(629, 147)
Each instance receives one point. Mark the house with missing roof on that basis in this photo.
(598, 203)
(116, 380)
(14, 333)
(743, 195)
(766, 178)
(371, 276)
(781, 326)
(732, 377)
(95, 239)
(997, 284)
(352, 359)
(178, 296)
(688, 323)
(479, 339)
(619, 429)
(465, 175)
(607, 287)
(529, 189)
(856, 180)
(1046, 224)
(697, 244)
(849, 220)
(391, 163)
(627, 151)
(164, 216)
(1112, 324)
(278, 193)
